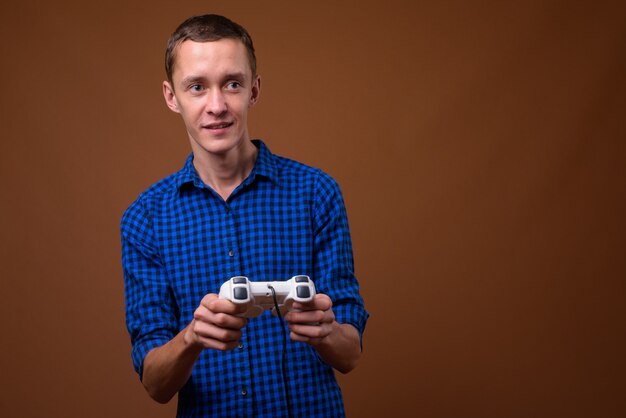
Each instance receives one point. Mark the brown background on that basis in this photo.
(481, 151)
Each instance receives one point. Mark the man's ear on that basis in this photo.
(170, 97)
(256, 91)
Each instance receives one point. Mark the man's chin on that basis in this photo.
(216, 146)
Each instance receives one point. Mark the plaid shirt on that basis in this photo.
(180, 241)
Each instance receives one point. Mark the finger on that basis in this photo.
(218, 345)
(204, 330)
(310, 317)
(222, 320)
(226, 306)
(320, 301)
(207, 299)
(301, 338)
(213, 303)
(309, 331)
(305, 317)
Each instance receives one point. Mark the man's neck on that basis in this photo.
(224, 172)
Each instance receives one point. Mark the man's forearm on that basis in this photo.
(167, 368)
(341, 349)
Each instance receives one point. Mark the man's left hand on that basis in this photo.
(313, 321)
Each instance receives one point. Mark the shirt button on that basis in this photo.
(244, 392)
(240, 346)
(231, 253)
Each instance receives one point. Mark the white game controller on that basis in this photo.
(257, 296)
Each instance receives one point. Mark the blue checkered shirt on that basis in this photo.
(180, 241)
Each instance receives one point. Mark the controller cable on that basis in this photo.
(284, 354)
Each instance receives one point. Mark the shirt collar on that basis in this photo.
(264, 166)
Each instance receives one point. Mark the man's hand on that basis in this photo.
(311, 322)
(339, 345)
(215, 325)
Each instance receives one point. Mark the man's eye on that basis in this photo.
(195, 87)
(233, 85)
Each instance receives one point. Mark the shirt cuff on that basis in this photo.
(353, 314)
(141, 349)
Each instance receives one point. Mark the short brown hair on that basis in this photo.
(207, 28)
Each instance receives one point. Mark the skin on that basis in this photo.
(213, 89)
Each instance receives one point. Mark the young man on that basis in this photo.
(236, 209)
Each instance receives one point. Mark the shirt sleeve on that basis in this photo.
(151, 311)
(333, 262)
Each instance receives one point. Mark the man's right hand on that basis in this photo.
(215, 324)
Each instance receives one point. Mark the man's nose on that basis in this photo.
(216, 102)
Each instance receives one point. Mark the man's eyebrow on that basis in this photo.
(235, 76)
(192, 79)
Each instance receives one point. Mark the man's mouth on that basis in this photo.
(220, 125)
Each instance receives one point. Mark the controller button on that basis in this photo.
(303, 292)
(240, 280)
(302, 279)
(240, 293)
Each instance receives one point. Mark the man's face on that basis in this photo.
(213, 88)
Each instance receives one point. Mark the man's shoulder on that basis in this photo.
(162, 187)
(145, 203)
(291, 170)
